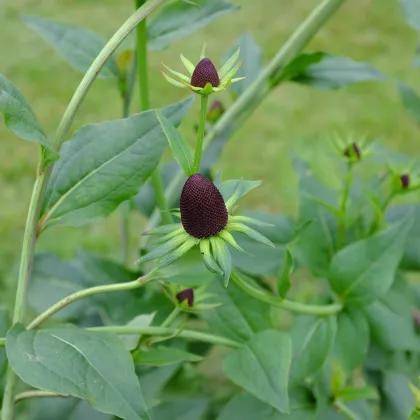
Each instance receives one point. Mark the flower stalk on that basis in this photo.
(200, 133)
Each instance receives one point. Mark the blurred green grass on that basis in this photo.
(292, 118)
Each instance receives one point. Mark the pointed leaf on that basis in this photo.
(222, 255)
(284, 283)
(235, 189)
(18, 115)
(230, 62)
(365, 270)
(71, 361)
(104, 164)
(78, 46)
(176, 20)
(262, 366)
(182, 151)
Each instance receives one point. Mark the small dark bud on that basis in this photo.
(405, 181)
(204, 73)
(186, 294)
(353, 151)
(216, 110)
(203, 210)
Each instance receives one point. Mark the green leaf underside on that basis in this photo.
(72, 361)
(262, 366)
(77, 45)
(18, 115)
(179, 19)
(365, 270)
(162, 356)
(312, 341)
(351, 352)
(240, 316)
(105, 164)
(181, 150)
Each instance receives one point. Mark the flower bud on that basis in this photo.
(216, 110)
(203, 210)
(186, 294)
(405, 181)
(204, 73)
(353, 151)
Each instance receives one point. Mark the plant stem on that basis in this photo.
(155, 178)
(31, 228)
(161, 331)
(200, 133)
(171, 317)
(343, 206)
(107, 288)
(300, 308)
(346, 411)
(259, 89)
(36, 393)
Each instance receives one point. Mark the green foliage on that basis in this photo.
(88, 365)
(162, 356)
(262, 366)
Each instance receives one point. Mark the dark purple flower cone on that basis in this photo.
(405, 181)
(353, 150)
(186, 294)
(203, 210)
(204, 73)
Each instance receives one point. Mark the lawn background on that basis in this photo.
(292, 118)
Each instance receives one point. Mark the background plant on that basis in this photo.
(359, 247)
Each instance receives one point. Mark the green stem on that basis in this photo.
(141, 281)
(175, 332)
(346, 411)
(32, 227)
(171, 317)
(200, 133)
(143, 74)
(258, 90)
(125, 228)
(343, 206)
(36, 393)
(300, 308)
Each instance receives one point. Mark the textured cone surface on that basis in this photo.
(405, 181)
(204, 73)
(203, 210)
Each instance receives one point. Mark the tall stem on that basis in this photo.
(31, 227)
(346, 411)
(300, 308)
(156, 179)
(258, 90)
(343, 206)
(200, 133)
(171, 317)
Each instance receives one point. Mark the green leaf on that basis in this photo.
(312, 340)
(349, 352)
(391, 322)
(131, 341)
(178, 19)
(251, 57)
(411, 10)
(18, 115)
(78, 46)
(244, 406)
(397, 395)
(262, 367)
(53, 279)
(180, 409)
(222, 255)
(355, 394)
(260, 259)
(323, 229)
(235, 189)
(365, 270)
(283, 283)
(240, 316)
(104, 164)
(182, 151)
(410, 99)
(64, 409)
(334, 72)
(411, 257)
(71, 361)
(162, 356)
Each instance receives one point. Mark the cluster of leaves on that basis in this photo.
(357, 361)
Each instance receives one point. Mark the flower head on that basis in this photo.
(353, 151)
(207, 222)
(405, 181)
(204, 77)
(186, 294)
(216, 110)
